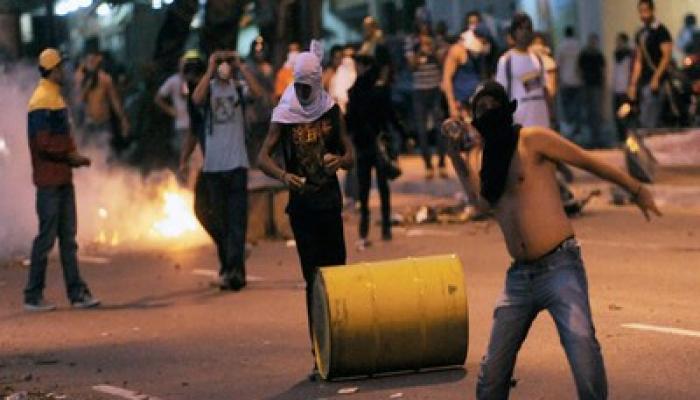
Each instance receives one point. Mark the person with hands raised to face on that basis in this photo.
(511, 171)
(221, 192)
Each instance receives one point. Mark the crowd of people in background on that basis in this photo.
(393, 93)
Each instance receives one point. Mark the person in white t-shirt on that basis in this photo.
(522, 73)
(570, 82)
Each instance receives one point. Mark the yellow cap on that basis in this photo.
(49, 58)
(192, 54)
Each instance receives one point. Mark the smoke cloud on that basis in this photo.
(117, 206)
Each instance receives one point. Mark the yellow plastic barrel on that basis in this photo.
(390, 316)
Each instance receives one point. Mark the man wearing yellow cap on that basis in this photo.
(54, 155)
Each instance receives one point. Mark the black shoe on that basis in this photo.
(86, 301)
(314, 376)
(386, 235)
(236, 284)
(39, 306)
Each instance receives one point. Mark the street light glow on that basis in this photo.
(65, 7)
(103, 10)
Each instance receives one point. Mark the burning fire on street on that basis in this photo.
(166, 217)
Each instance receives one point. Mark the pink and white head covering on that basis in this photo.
(307, 70)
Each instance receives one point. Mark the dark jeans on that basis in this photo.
(592, 101)
(556, 283)
(221, 205)
(426, 103)
(618, 100)
(55, 207)
(320, 242)
(650, 106)
(571, 107)
(366, 161)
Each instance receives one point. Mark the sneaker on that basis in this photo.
(443, 173)
(314, 376)
(362, 244)
(87, 301)
(227, 283)
(39, 306)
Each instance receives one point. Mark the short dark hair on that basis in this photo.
(569, 31)
(649, 3)
(623, 36)
(690, 19)
(518, 19)
(472, 13)
(336, 48)
(365, 60)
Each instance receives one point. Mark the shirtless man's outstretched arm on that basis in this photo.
(552, 146)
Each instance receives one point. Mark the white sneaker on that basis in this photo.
(362, 244)
(39, 306)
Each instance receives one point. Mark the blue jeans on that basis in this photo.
(650, 106)
(556, 283)
(570, 98)
(55, 207)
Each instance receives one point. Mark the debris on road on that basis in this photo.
(396, 395)
(349, 390)
(18, 396)
(614, 307)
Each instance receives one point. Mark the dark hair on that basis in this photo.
(649, 3)
(690, 19)
(623, 36)
(365, 60)
(336, 48)
(519, 19)
(569, 31)
(44, 72)
(472, 13)
(265, 47)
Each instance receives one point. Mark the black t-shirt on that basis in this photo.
(651, 37)
(592, 64)
(304, 146)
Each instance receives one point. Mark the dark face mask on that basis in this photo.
(492, 123)
(500, 138)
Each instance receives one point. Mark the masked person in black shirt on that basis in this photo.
(308, 127)
(649, 80)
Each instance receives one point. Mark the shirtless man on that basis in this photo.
(511, 171)
(99, 97)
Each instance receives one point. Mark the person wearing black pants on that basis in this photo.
(309, 130)
(221, 206)
(320, 242)
(367, 115)
(217, 111)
